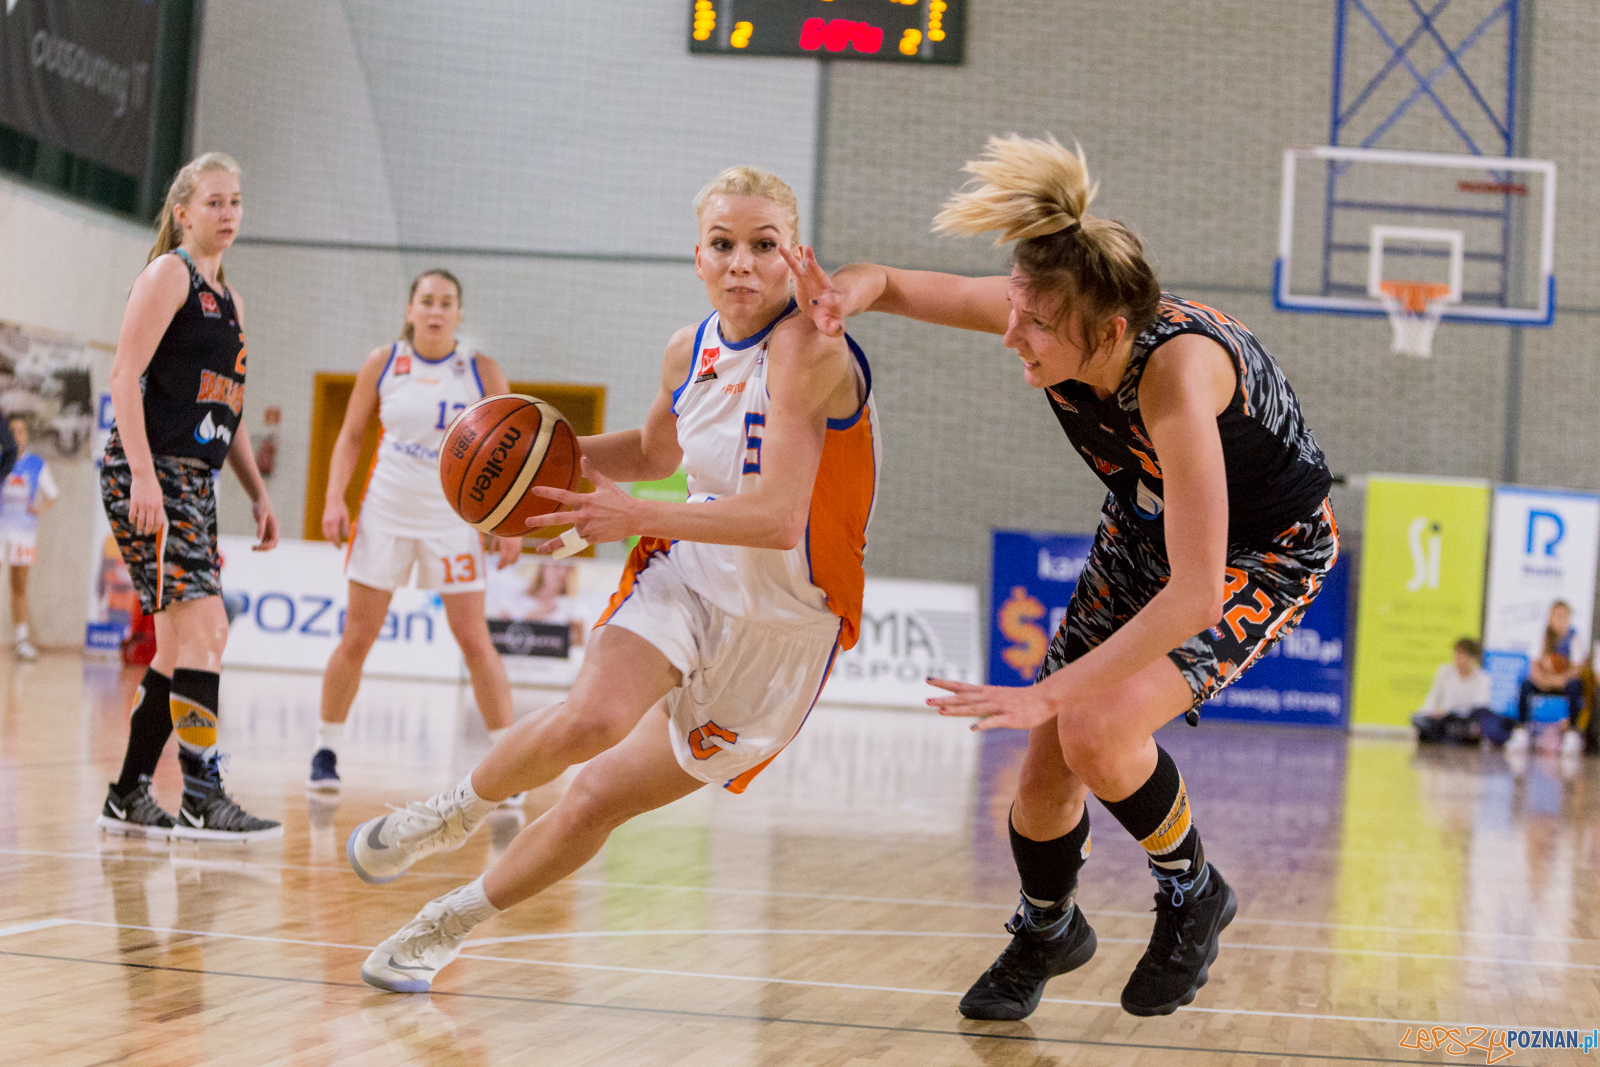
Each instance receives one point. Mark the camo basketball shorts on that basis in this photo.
(179, 561)
(1268, 589)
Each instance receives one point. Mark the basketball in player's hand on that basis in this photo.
(1556, 663)
(498, 449)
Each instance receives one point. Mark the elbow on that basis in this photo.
(1205, 608)
(790, 532)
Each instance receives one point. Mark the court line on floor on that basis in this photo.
(733, 1017)
(945, 935)
(760, 979)
(169, 857)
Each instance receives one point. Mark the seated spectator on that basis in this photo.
(1555, 667)
(1457, 707)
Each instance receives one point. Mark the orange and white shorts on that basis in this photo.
(748, 683)
(449, 562)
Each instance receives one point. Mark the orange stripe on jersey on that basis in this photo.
(638, 560)
(836, 533)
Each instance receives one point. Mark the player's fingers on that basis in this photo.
(553, 518)
(596, 479)
(954, 686)
(561, 495)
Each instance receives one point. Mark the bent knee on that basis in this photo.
(592, 805)
(582, 731)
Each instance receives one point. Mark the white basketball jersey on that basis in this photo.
(722, 412)
(417, 398)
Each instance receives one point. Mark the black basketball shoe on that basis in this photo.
(208, 813)
(1044, 943)
(134, 813)
(1190, 917)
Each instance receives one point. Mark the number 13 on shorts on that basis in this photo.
(465, 568)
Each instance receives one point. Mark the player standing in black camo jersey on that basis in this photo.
(177, 387)
(1195, 432)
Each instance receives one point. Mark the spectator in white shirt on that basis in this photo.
(1456, 705)
(1555, 667)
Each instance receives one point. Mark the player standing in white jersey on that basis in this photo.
(28, 492)
(416, 386)
(733, 605)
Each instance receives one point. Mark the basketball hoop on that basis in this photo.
(1415, 309)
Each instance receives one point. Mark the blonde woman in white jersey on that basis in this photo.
(731, 609)
(416, 386)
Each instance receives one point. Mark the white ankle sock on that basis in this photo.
(470, 903)
(329, 735)
(496, 735)
(22, 635)
(475, 807)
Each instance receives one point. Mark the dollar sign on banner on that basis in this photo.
(1019, 617)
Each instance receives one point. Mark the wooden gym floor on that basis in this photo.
(833, 915)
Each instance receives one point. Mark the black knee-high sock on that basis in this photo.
(1049, 869)
(194, 719)
(1158, 817)
(148, 729)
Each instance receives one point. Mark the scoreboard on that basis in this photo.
(895, 31)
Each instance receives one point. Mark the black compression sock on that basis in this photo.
(1049, 869)
(148, 729)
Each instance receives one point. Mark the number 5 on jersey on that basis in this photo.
(755, 424)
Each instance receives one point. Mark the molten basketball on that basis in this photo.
(498, 449)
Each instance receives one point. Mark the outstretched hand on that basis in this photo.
(994, 706)
(815, 291)
(606, 514)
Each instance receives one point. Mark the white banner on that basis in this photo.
(287, 608)
(909, 631)
(1543, 548)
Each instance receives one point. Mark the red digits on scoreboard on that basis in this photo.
(836, 34)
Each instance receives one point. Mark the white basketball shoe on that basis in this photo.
(407, 961)
(382, 849)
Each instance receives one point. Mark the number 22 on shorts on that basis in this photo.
(466, 568)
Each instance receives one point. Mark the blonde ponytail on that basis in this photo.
(1037, 193)
(169, 234)
(1021, 187)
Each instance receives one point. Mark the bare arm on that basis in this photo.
(651, 452)
(347, 448)
(242, 460)
(807, 376)
(157, 295)
(979, 304)
(1187, 385)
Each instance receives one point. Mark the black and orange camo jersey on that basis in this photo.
(194, 386)
(1276, 473)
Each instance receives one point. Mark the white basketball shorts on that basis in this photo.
(451, 562)
(19, 547)
(748, 683)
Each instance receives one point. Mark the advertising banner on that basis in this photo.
(79, 75)
(1424, 547)
(287, 611)
(1544, 549)
(909, 630)
(541, 612)
(1034, 575)
(1301, 679)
